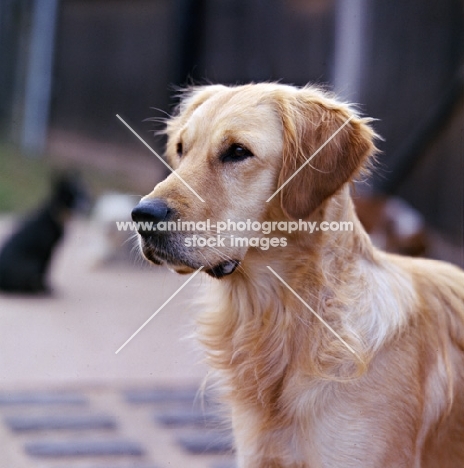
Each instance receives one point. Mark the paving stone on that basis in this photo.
(42, 398)
(83, 448)
(178, 417)
(80, 435)
(207, 442)
(59, 422)
(162, 395)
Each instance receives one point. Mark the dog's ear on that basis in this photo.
(337, 142)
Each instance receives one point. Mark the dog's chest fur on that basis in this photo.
(282, 369)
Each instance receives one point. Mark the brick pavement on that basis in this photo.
(107, 427)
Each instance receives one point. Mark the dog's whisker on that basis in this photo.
(133, 237)
(158, 109)
(206, 261)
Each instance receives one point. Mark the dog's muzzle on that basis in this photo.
(147, 214)
(161, 246)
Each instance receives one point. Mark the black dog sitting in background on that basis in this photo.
(26, 255)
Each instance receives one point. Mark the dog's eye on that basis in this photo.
(236, 152)
(179, 149)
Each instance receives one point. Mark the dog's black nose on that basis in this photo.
(151, 211)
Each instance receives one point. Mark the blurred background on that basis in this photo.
(68, 67)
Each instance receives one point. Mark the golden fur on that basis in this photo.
(299, 397)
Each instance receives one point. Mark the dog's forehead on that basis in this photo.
(233, 111)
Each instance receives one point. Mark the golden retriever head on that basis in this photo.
(232, 148)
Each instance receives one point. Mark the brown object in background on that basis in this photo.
(393, 225)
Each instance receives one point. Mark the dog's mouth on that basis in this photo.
(223, 269)
(178, 260)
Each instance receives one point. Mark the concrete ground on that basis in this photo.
(60, 374)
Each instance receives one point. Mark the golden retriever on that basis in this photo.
(338, 355)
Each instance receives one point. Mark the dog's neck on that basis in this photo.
(325, 252)
(257, 326)
(267, 280)
(258, 299)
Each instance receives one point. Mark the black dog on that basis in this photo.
(26, 255)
